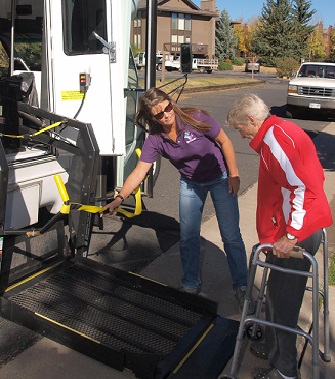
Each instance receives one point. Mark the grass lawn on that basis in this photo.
(203, 82)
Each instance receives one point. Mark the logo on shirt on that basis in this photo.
(189, 137)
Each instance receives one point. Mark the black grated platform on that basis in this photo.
(210, 357)
(116, 317)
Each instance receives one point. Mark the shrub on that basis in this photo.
(286, 67)
(237, 61)
(225, 65)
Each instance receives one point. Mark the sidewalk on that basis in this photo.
(48, 359)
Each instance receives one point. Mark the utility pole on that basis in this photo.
(150, 67)
(150, 43)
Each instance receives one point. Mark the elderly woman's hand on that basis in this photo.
(283, 247)
(233, 185)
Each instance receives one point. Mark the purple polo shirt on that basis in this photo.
(195, 155)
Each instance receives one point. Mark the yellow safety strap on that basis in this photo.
(35, 134)
(65, 209)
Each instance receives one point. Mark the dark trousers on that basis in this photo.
(284, 297)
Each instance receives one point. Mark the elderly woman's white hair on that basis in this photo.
(247, 105)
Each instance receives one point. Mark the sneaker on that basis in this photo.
(240, 296)
(193, 291)
(267, 373)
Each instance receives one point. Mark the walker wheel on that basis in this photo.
(258, 336)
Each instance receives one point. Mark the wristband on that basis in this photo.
(120, 197)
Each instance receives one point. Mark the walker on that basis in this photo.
(250, 325)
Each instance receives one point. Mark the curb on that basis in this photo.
(223, 87)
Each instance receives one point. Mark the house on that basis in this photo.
(179, 21)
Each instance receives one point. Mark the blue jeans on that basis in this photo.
(191, 203)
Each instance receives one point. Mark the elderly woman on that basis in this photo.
(292, 209)
(204, 156)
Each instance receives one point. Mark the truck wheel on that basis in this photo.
(290, 111)
(202, 70)
(159, 67)
(209, 71)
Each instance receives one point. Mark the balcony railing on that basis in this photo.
(197, 48)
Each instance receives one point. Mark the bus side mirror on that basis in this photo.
(186, 58)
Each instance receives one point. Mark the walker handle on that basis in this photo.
(297, 253)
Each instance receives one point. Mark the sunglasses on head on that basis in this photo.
(167, 109)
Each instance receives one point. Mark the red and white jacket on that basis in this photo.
(290, 196)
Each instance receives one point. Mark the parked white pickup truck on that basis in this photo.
(203, 65)
(312, 88)
(139, 60)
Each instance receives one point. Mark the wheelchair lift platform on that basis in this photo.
(123, 320)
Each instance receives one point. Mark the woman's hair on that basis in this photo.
(154, 96)
(247, 105)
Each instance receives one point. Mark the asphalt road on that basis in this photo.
(133, 244)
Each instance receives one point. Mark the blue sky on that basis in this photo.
(247, 9)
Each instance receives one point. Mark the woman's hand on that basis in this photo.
(233, 185)
(132, 182)
(110, 207)
(283, 247)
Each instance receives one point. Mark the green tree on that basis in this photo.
(283, 30)
(302, 15)
(274, 36)
(332, 45)
(225, 40)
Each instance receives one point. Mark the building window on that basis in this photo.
(188, 22)
(181, 23)
(181, 28)
(137, 41)
(174, 19)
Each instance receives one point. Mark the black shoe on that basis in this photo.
(259, 350)
(267, 373)
(240, 297)
(256, 372)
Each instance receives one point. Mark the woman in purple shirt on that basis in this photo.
(204, 156)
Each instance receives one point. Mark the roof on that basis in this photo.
(192, 8)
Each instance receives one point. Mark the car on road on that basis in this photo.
(313, 88)
(252, 66)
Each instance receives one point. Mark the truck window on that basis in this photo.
(329, 72)
(82, 17)
(317, 71)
